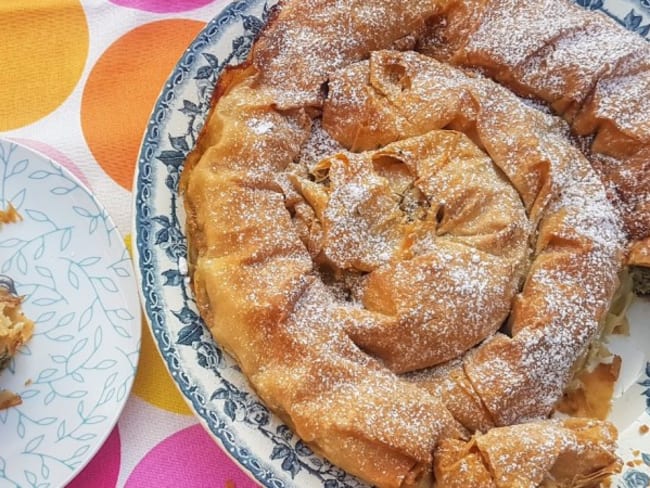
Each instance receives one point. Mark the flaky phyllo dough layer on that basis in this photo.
(405, 259)
(15, 328)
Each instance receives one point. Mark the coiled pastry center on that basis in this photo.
(426, 235)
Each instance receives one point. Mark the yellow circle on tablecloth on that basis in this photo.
(122, 88)
(152, 381)
(43, 50)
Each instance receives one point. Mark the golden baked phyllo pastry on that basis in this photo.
(15, 330)
(407, 261)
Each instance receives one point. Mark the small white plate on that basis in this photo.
(210, 381)
(68, 260)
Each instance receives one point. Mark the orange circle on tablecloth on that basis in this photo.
(43, 50)
(122, 88)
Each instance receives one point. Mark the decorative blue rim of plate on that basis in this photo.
(209, 380)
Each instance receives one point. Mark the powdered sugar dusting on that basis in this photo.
(544, 71)
(325, 35)
(553, 54)
(337, 268)
(260, 127)
(499, 33)
(573, 192)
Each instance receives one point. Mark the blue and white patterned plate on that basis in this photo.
(67, 259)
(209, 380)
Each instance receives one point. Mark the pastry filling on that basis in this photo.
(15, 328)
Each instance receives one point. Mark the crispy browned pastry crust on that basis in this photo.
(572, 453)
(9, 215)
(357, 249)
(544, 50)
(15, 330)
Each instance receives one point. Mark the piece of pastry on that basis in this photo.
(571, 453)
(401, 255)
(15, 330)
(9, 215)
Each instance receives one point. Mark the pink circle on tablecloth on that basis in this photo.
(188, 458)
(162, 6)
(102, 471)
(55, 155)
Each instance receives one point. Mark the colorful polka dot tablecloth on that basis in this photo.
(78, 82)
